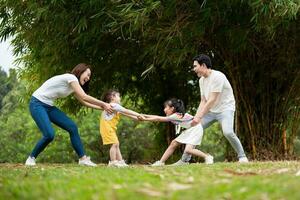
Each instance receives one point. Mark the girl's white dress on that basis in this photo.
(191, 135)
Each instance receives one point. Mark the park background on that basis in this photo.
(145, 49)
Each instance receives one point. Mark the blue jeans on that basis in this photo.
(43, 115)
(226, 119)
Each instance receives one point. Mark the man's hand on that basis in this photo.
(195, 121)
(107, 107)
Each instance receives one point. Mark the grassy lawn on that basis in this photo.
(256, 180)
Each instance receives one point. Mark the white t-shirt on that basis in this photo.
(184, 122)
(217, 82)
(116, 108)
(55, 87)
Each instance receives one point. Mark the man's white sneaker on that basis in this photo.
(115, 163)
(209, 159)
(30, 161)
(158, 163)
(122, 162)
(243, 160)
(180, 162)
(87, 162)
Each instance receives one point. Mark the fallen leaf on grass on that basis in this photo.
(117, 187)
(239, 173)
(190, 179)
(13, 166)
(152, 169)
(283, 170)
(177, 186)
(150, 192)
(243, 189)
(222, 181)
(175, 173)
(162, 176)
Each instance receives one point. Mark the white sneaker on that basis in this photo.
(180, 162)
(209, 160)
(116, 163)
(87, 162)
(122, 162)
(243, 160)
(158, 163)
(30, 161)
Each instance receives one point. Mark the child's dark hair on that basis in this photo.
(108, 95)
(177, 104)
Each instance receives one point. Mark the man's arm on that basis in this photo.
(201, 105)
(205, 106)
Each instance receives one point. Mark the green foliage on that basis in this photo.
(5, 85)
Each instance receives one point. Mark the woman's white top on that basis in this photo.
(54, 88)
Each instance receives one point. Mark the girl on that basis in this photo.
(108, 126)
(44, 112)
(192, 136)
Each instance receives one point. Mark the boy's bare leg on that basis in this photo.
(118, 154)
(113, 152)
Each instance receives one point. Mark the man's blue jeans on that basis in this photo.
(43, 115)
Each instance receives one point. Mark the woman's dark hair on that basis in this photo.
(108, 95)
(78, 70)
(202, 58)
(177, 104)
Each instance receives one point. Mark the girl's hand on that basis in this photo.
(107, 107)
(141, 117)
(195, 121)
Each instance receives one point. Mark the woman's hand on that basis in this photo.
(107, 107)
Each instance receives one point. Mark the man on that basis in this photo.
(217, 104)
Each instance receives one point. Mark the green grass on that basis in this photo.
(257, 180)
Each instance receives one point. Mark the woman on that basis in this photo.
(44, 112)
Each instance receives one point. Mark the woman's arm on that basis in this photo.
(92, 105)
(88, 100)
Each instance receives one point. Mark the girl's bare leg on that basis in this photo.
(190, 149)
(174, 144)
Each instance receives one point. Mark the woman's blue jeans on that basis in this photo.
(43, 115)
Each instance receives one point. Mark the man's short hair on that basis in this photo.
(202, 58)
